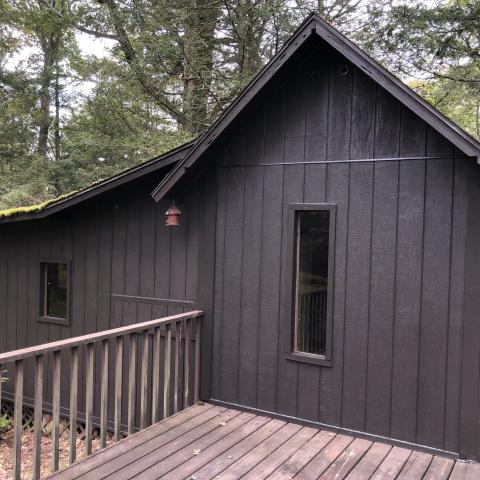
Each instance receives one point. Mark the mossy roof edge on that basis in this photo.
(115, 180)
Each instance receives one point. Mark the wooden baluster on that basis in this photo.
(132, 377)
(198, 341)
(144, 380)
(56, 409)
(186, 363)
(72, 454)
(18, 414)
(37, 417)
(166, 377)
(157, 338)
(178, 347)
(104, 393)
(118, 387)
(89, 397)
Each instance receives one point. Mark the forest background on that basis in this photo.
(91, 87)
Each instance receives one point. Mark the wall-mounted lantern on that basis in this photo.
(173, 216)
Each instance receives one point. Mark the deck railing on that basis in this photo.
(176, 346)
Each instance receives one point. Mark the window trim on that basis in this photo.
(42, 291)
(295, 355)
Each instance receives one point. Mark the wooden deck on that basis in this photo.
(209, 442)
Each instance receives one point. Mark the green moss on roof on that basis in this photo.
(12, 212)
(17, 211)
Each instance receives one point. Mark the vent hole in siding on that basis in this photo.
(343, 70)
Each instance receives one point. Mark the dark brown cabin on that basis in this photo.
(329, 231)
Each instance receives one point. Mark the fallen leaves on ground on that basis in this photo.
(6, 453)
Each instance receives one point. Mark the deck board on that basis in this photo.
(208, 442)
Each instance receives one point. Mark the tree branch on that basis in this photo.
(109, 36)
(131, 58)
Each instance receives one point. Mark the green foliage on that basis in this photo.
(69, 118)
(4, 423)
(438, 43)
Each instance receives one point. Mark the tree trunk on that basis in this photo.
(57, 112)
(201, 18)
(45, 97)
(49, 44)
(250, 25)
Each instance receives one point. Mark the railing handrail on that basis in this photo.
(29, 352)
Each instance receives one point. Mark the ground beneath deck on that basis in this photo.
(207, 442)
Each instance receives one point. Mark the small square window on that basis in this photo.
(55, 292)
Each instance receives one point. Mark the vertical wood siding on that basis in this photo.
(118, 244)
(399, 259)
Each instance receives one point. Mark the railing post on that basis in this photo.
(198, 342)
(166, 377)
(118, 387)
(37, 417)
(56, 409)
(72, 454)
(144, 381)
(89, 397)
(186, 362)
(104, 393)
(178, 347)
(157, 339)
(18, 414)
(132, 377)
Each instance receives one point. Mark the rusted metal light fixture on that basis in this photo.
(173, 216)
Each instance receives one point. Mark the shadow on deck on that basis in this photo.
(210, 442)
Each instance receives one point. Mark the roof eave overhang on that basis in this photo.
(162, 161)
(314, 25)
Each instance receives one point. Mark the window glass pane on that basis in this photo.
(56, 291)
(312, 280)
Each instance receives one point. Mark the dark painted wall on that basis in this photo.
(117, 244)
(399, 259)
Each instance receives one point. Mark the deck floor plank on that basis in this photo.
(169, 443)
(246, 445)
(416, 466)
(282, 454)
(258, 454)
(439, 469)
(101, 457)
(370, 461)
(167, 459)
(393, 464)
(216, 449)
(325, 458)
(301, 457)
(465, 471)
(208, 442)
(342, 466)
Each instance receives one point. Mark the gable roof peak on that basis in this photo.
(314, 24)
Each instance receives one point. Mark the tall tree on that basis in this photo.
(437, 42)
(168, 68)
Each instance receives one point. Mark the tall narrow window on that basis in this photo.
(313, 265)
(55, 284)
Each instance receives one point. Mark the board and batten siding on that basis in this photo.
(399, 258)
(117, 244)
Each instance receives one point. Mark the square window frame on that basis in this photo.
(295, 355)
(42, 307)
